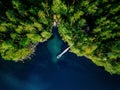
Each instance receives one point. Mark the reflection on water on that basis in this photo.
(43, 72)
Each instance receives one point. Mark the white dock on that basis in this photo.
(60, 55)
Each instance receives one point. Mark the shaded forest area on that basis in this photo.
(22, 24)
(91, 27)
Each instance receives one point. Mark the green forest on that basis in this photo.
(90, 27)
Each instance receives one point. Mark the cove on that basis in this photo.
(45, 72)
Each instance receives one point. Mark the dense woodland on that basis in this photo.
(90, 27)
(22, 24)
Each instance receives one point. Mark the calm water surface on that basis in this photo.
(45, 72)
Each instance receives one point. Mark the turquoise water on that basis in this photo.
(45, 72)
(54, 45)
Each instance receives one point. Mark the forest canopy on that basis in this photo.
(90, 27)
(22, 25)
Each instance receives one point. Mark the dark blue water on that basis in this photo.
(45, 72)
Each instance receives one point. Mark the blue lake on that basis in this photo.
(45, 72)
